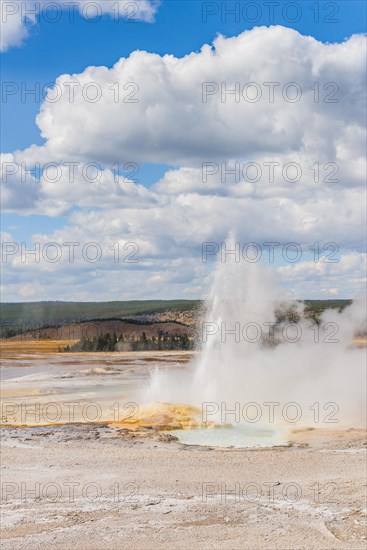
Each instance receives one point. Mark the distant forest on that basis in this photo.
(106, 342)
(53, 313)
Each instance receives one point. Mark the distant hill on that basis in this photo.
(52, 313)
(42, 314)
(140, 325)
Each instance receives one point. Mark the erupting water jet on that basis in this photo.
(289, 374)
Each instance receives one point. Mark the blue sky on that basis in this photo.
(63, 47)
(179, 28)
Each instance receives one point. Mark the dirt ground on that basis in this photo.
(98, 487)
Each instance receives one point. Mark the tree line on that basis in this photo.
(108, 342)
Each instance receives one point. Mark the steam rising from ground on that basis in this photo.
(299, 363)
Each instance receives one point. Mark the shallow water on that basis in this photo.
(240, 436)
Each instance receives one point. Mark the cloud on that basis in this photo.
(149, 108)
(18, 191)
(59, 187)
(13, 27)
(19, 16)
(328, 278)
(168, 266)
(190, 204)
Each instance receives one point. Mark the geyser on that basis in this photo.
(267, 369)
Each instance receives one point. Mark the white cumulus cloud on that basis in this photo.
(150, 107)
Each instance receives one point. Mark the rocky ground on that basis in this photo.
(95, 486)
